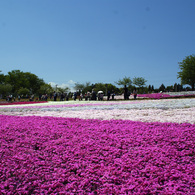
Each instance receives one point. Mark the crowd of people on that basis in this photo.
(77, 95)
(88, 96)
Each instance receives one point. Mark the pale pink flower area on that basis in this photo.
(185, 115)
(166, 110)
(55, 155)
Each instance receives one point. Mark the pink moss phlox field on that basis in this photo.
(48, 155)
(154, 95)
(163, 95)
(20, 103)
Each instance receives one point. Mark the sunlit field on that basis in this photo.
(98, 147)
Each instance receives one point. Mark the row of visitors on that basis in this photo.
(93, 95)
(76, 95)
(128, 93)
(88, 96)
(11, 98)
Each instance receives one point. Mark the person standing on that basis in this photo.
(125, 92)
(108, 95)
(75, 96)
(135, 93)
(55, 96)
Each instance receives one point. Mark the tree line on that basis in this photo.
(21, 83)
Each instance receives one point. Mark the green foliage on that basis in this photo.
(179, 87)
(2, 78)
(106, 87)
(187, 73)
(112, 88)
(63, 90)
(170, 88)
(79, 87)
(139, 81)
(84, 88)
(25, 83)
(23, 91)
(45, 89)
(125, 81)
(5, 90)
(18, 79)
(88, 87)
(33, 82)
(150, 89)
(162, 88)
(100, 87)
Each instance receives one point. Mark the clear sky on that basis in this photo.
(67, 41)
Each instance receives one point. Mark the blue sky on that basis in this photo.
(67, 41)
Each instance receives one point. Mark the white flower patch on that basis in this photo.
(165, 110)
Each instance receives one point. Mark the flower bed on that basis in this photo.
(45, 155)
(165, 95)
(50, 155)
(165, 110)
(21, 103)
(155, 95)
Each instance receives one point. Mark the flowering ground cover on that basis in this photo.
(53, 155)
(21, 103)
(155, 95)
(166, 110)
(164, 95)
(92, 147)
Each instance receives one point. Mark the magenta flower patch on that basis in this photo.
(163, 95)
(47, 155)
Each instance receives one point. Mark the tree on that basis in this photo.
(105, 88)
(112, 88)
(33, 82)
(139, 81)
(63, 89)
(149, 88)
(2, 78)
(5, 90)
(125, 81)
(175, 87)
(169, 88)
(88, 87)
(79, 87)
(179, 87)
(18, 79)
(100, 87)
(187, 73)
(162, 88)
(83, 87)
(46, 89)
(24, 92)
